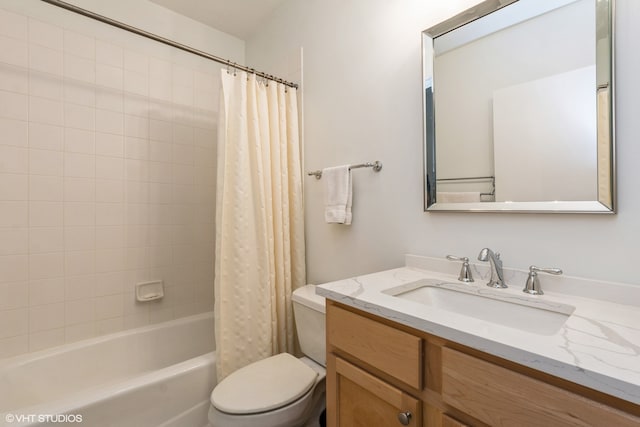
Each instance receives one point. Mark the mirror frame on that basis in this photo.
(606, 203)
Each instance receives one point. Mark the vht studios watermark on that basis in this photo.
(43, 418)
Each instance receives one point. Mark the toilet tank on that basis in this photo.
(309, 314)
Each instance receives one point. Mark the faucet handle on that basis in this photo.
(535, 269)
(465, 272)
(533, 283)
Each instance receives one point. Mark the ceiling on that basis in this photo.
(239, 18)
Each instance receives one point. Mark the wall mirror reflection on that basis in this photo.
(518, 108)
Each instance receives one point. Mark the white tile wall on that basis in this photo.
(14, 51)
(107, 160)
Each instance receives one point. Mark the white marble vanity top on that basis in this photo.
(598, 346)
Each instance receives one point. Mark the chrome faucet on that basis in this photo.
(497, 278)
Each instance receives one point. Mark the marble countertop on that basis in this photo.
(598, 346)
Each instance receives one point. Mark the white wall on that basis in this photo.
(362, 79)
(465, 79)
(544, 138)
(107, 172)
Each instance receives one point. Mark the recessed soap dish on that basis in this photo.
(150, 291)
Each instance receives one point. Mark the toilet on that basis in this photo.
(282, 390)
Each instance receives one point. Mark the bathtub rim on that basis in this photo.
(24, 358)
(101, 391)
(82, 398)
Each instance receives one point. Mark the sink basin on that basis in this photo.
(526, 313)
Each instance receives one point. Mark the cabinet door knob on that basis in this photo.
(404, 418)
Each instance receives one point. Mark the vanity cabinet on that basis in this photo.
(380, 373)
(447, 421)
(358, 397)
(364, 400)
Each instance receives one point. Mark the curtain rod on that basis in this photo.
(123, 26)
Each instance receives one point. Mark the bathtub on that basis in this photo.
(159, 375)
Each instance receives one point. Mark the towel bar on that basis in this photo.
(475, 178)
(377, 165)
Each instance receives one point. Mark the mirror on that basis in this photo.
(518, 108)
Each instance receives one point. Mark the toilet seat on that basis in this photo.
(264, 386)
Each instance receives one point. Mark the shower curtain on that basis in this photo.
(259, 221)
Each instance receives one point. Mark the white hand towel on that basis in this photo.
(337, 194)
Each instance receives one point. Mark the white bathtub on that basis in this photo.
(160, 375)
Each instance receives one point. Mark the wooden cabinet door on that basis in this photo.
(434, 417)
(447, 421)
(361, 400)
(500, 397)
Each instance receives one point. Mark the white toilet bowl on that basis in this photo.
(304, 410)
(280, 391)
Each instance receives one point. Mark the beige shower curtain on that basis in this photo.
(259, 221)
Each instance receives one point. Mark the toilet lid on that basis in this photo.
(265, 385)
